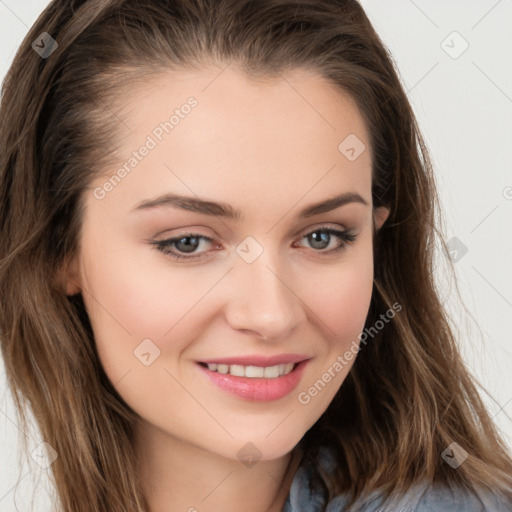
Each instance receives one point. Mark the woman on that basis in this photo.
(219, 222)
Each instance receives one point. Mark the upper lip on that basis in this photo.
(258, 360)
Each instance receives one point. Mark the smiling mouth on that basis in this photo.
(251, 372)
(256, 383)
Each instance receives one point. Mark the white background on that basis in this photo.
(464, 108)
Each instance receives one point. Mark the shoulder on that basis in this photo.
(457, 499)
(426, 497)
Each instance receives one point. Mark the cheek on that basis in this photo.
(341, 305)
(134, 291)
(340, 295)
(134, 295)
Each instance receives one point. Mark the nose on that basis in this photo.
(263, 299)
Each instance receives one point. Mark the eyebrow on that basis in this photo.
(226, 211)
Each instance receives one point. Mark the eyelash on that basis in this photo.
(346, 236)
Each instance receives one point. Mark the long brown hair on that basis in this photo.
(408, 395)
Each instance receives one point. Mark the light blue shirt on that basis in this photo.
(423, 498)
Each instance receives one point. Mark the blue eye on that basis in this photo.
(189, 242)
(323, 236)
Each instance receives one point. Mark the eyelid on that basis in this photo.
(300, 233)
(347, 236)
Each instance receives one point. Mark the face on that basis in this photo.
(267, 279)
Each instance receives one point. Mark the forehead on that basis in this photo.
(264, 139)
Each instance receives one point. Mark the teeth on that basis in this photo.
(254, 371)
(271, 372)
(222, 368)
(268, 372)
(237, 370)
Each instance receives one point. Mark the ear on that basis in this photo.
(380, 215)
(70, 276)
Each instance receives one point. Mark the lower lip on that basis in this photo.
(257, 389)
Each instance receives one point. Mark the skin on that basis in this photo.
(268, 149)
